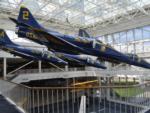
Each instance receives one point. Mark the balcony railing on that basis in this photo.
(99, 99)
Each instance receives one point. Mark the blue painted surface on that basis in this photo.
(148, 111)
(7, 45)
(29, 28)
(6, 107)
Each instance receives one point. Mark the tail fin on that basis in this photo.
(83, 33)
(4, 39)
(26, 17)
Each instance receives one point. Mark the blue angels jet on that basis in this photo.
(29, 28)
(7, 45)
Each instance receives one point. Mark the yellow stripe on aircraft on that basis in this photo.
(83, 83)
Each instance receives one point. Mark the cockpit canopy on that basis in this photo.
(134, 57)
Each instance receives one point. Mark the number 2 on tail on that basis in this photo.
(25, 15)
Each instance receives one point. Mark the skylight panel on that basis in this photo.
(71, 13)
(4, 3)
(12, 1)
(62, 1)
(88, 6)
(49, 8)
(18, 1)
(41, 3)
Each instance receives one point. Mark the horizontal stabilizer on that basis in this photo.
(19, 23)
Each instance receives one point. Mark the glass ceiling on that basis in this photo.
(81, 13)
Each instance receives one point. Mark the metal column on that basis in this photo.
(40, 66)
(4, 68)
(108, 80)
(66, 68)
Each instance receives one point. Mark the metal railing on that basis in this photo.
(19, 94)
(101, 99)
(97, 72)
(25, 71)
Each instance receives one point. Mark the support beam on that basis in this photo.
(83, 104)
(20, 67)
(56, 66)
(40, 66)
(66, 68)
(108, 89)
(5, 68)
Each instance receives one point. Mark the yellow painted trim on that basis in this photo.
(22, 6)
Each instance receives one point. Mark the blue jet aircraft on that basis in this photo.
(7, 45)
(29, 28)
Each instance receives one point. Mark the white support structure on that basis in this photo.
(20, 67)
(108, 89)
(70, 74)
(4, 68)
(40, 66)
(66, 68)
(83, 105)
(56, 66)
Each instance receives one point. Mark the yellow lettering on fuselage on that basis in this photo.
(103, 48)
(31, 35)
(78, 39)
(54, 40)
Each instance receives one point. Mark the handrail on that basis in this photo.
(93, 87)
(17, 84)
(30, 98)
(83, 87)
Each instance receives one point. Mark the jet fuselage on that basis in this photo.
(90, 45)
(28, 27)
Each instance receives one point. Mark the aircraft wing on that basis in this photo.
(19, 23)
(23, 55)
